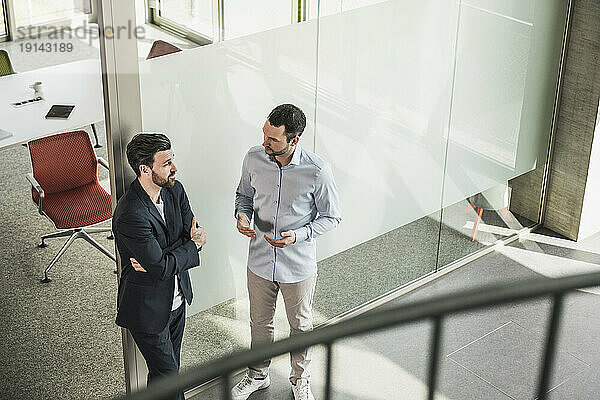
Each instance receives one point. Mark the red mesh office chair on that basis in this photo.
(161, 48)
(6, 67)
(66, 190)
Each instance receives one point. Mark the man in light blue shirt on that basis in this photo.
(291, 194)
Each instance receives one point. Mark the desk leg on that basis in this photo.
(97, 145)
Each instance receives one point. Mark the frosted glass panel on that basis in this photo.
(488, 99)
(352, 4)
(513, 9)
(504, 88)
(382, 108)
(329, 7)
(243, 17)
(396, 94)
(505, 82)
(323, 8)
(213, 106)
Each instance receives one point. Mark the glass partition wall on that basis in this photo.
(505, 82)
(435, 117)
(382, 106)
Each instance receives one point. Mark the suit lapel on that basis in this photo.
(169, 210)
(148, 203)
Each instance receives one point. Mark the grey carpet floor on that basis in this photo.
(59, 339)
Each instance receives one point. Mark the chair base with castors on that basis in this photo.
(73, 234)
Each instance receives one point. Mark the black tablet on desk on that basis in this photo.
(59, 112)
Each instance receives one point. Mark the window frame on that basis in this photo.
(173, 27)
(14, 33)
(299, 14)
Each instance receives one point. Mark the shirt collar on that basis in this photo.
(160, 200)
(296, 157)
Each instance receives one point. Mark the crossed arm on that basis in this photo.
(197, 235)
(135, 234)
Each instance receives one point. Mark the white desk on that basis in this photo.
(77, 83)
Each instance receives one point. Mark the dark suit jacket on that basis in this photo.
(145, 298)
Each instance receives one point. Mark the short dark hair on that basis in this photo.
(142, 148)
(291, 117)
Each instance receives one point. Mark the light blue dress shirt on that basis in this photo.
(300, 196)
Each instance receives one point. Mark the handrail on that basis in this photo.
(434, 308)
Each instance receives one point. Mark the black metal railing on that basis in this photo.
(435, 309)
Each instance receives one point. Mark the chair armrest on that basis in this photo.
(103, 162)
(39, 189)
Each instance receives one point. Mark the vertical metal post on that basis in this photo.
(218, 20)
(434, 355)
(550, 349)
(447, 138)
(226, 382)
(555, 114)
(123, 119)
(29, 13)
(152, 7)
(299, 11)
(93, 15)
(295, 14)
(303, 10)
(328, 346)
(11, 23)
(214, 9)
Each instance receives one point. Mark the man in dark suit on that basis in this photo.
(158, 241)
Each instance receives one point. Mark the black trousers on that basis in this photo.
(162, 350)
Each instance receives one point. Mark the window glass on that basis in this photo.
(244, 17)
(195, 15)
(2, 23)
(34, 12)
(352, 4)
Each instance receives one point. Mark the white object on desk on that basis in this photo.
(77, 83)
(37, 89)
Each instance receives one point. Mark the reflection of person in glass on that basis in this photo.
(158, 241)
(292, 196)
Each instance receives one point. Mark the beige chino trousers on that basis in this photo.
(298, 299)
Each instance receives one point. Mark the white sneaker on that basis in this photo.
(247, 386)
(302, 390)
